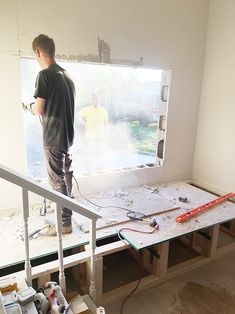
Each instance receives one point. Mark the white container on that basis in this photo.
(26, 295)
(13, 309)
(9, 298)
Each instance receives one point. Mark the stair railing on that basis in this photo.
(61, 201)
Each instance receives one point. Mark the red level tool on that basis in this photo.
(196, 211)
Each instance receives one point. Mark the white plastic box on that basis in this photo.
(13, 309)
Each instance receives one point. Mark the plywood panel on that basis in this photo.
(169, 228)
(145, 199)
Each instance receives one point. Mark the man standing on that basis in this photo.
(94, 118)
(54, 94)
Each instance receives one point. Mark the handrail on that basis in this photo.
(61, 201)
(20, 180)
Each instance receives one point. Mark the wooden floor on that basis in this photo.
(209, 289)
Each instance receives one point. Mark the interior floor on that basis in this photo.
(205, 290)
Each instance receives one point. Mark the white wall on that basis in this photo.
(12, 153)
(214, 165)
(167, 33)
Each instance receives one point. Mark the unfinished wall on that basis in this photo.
(214, 165)
(168, 34)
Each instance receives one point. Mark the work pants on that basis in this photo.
(58, 164)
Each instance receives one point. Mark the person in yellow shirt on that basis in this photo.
(94, 119)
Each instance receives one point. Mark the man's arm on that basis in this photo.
(37, 107)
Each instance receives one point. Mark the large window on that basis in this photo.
(120, 117)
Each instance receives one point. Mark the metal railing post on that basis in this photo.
(60, 247)
(28, 270)
(92, 288)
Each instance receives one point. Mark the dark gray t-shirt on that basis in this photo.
(54, 85)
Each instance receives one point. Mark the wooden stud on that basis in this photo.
(232, 227)
(230, 230)
(212, 245)
(79, 271)
(43, 279)
(161, 263)
(145, 256)
(200, 242)
(99, 280)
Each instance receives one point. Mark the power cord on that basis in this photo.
(137, 258)
(131, 214)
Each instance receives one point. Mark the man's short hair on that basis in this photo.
(45, 44)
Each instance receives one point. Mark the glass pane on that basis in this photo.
(116, 117)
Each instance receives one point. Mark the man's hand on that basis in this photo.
(28, 107)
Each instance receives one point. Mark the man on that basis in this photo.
(54, 94)
(94, 118)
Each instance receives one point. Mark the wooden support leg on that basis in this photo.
(232, 227)
(161, 263)
(229, 228)
(200, 241)
(205, 241)
(187, 240)
(145, 255)
(212, 245)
